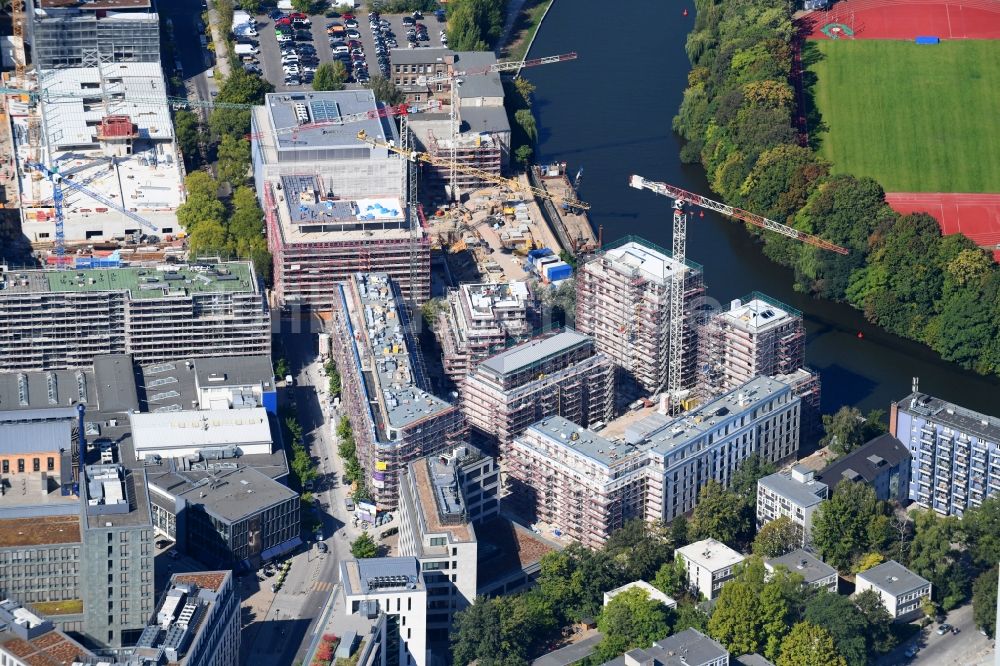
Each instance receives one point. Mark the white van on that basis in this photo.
(341, 49)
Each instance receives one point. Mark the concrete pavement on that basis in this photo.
(968, 648)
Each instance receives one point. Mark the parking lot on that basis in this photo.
(269, 58)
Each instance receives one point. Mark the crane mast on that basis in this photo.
(681, 197)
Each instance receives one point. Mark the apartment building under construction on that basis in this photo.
(562, 374)
(623, 301)
(52, 319)
(480, 320)
(334, 205)
(395, 419)
(588, 486)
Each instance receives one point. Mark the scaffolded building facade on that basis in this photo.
(53, 319)
(480, 320)
(394, 418)
(561, 374)
(623, 301)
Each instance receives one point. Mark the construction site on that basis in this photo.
(395, 419)
(556, 374)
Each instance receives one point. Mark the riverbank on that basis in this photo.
(524, 19)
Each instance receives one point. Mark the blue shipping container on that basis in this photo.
(543, 252)
(928, 40)
(560, 271)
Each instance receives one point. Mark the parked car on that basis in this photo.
(351, 23)
(944, 629)
(409, 21)
(277, 14)
(341, 49)
(353, 34)
(389, 532)
(911, 652)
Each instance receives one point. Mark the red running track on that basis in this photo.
(975, 215)
(906, 19)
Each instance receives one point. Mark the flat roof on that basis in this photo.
(893, 578)
(571, 654)
(172, 386)
(96, 4)
(949, 414)
(115, 378)
(758, 313)
(39, 392)
(379, 575)
(38, 437)
(434, 499)
(52, 648)
(711, 554)
(39, 531)
(234, 494)
(535, 351)
(287, 110)
(750, 660)
(139, 282)
(866, 462)
(652, 263)
(396, 384)
(800, 493)
(803, 563)
(199, 428)
(686, 647)
(569, 434)
(129, 487)
(234, 371)
(484, 118)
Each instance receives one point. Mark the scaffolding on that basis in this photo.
(477, 151)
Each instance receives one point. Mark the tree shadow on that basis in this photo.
(815, 125)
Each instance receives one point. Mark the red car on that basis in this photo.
(297, 15)
(347, 17)
(283, 21)
(355, 44)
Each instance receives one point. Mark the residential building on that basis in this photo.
(197, 623)
(561, 373)
(107, 127)
(814, 572)
(902, 591)
(708, 564)
(757, 335)
(883, 463)
(656, 470)
(794, 494)
(479, 320)
(435, 528)
(389, 592)
(52, 319)
(686, 648)
(27, 639)
(623, 301)
(482, 139)
(394, 417)
(334, 205)
(79, 33)
(955, 462)
(650, 591)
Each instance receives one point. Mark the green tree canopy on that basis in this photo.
(630, 620)
(777, 537)
(984, 601)
(188, 134)
(208, 238)
(845, 623)
(640, 548)
(330, 76)
(851, 523)
(848, 429)
(234, 160)
(809, 645)
(671, 578)
(240, 87)
(385, 90)
(981, 526)
(933, 556)
(364, 547)
(719, 514)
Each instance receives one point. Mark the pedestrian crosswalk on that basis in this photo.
(322, 586)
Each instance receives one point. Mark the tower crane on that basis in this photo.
(456, 81)
(682, 197)
(512, 183)
(57, 198)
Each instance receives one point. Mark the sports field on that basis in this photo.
(918, 118)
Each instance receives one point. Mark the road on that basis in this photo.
(968, 648)
(185, 16)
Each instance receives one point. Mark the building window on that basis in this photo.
(50, 464)
(6, 467)
(36, 465)
(20, 465)
(439, 541)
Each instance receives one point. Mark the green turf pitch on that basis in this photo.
(918, 118)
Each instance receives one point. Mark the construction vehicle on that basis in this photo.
(676, 396)
(57, 199)
(512, 183)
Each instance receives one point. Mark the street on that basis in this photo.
(968, 648)
(185, 15)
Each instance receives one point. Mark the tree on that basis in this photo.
(207, 238)
(846, 624)
(525, 89)
(240, 87)
(879, 634)
(385, 90)
(984, 601)
(689, 617)
(234, 160)
(671, 578)
(750, 471)
(777, 538)
(330, 76)
(679, 532)
(188, 134)
(523, 154)
(526, 120)
(848, 429)
(853, 521)
(199, 183)
(198, 209)
(868, 561)
(475, 632)
(640, 548)
(525, 621)
(809, 645)
(364, 547)
(981, 527)
(281, 369)
(933, 556)
(719, 515)
(630, 620)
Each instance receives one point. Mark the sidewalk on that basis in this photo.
(221, 45)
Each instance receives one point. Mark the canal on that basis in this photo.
(610, 112)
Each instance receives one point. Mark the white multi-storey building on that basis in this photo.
(588, 486)
(814, 571)
(901, 590)
(708, 564)
(794, 494)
